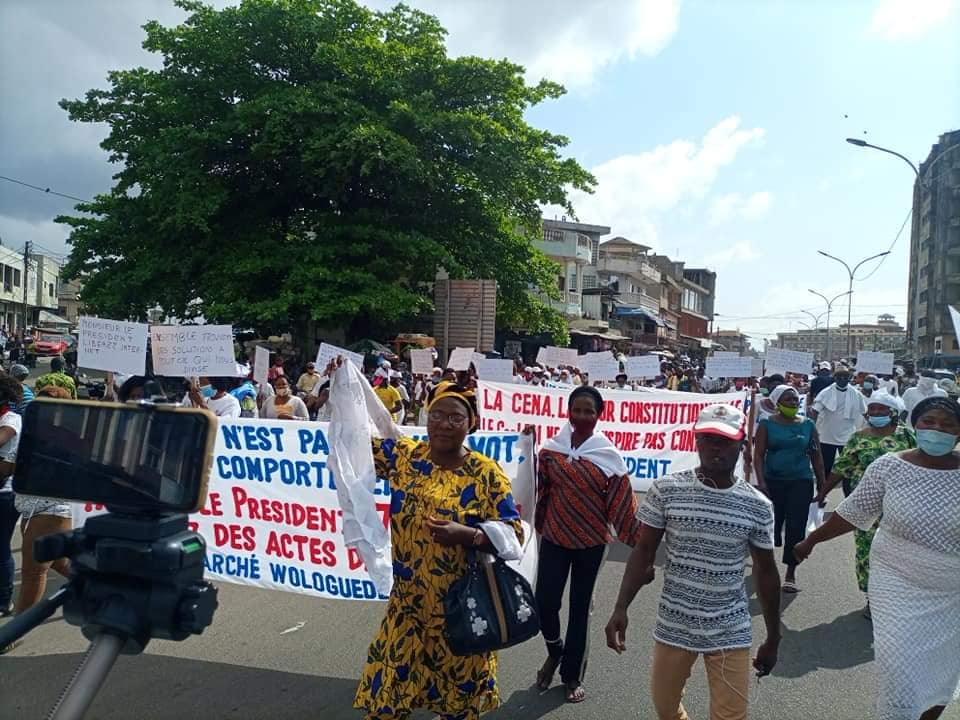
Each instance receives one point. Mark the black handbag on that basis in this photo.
(490, 608)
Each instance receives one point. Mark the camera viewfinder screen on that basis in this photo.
(135, 457)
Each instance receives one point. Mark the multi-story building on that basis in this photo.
(40, 294)
(68, 301)
(625, 267)
(696, 307)
(886, 335)
(935, 255)
(733, 341)
(573, 246)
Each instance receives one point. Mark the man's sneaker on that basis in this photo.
(6, 610)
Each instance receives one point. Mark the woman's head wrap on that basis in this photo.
(937, 402)
(452, 390)
(882, 397)
(778, 392)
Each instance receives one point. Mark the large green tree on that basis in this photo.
(314, 162)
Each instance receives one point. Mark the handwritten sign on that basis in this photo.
(193, 350)
(421, 362)
(567, 357)
(261, 365)
(495, 370)
(757, 367)
(328, 352)
(460, 359)
(642, 366)
(112, 345)
(547, 357)
(599, 366)
(729, 367)
(878, 363)
(784, 361)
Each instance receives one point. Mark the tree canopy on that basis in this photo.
(313, 160)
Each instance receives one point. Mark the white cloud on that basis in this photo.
(632, 190)
(48, 236)
(735, 205)
(908, 19)
(568, 41)
(739, 252)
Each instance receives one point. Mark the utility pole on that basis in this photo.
(27, 248)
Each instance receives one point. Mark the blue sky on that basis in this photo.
(715, 127)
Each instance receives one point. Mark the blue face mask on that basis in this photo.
(936, 443)
(867, 385)
(208, 391)
(879, 422)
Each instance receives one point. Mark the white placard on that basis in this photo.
(261, 365)
(495, 370)
(599, 366)
(725, 354)
(784, 361)
(328, 352)
(477, 358)
(757, 369)
(955, 317)
(735, 367)
(112, 345)
(193, 350)
(567, 357)
(421, 362)
(460, 359)
(547, 357)
(642, 366)
(877, 363)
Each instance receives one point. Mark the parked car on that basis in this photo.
(50, 344)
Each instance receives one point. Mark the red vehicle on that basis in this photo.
(50, 344)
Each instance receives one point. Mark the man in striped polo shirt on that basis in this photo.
(712, 521)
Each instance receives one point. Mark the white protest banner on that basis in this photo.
(547, 357)
(642, 366)
(877, 363)
(328, 352)
(477, 358)
(756, 369)
(567, 357)
(261, 365)
(272, 518)
(112, 345)
(599, 366)
(734, 367)
(460, 359)
(725, 354)
(193, 350)
(784, 361)
(421, 362)
(652, 430)
(495, 370)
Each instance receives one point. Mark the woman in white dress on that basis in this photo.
(914, 564)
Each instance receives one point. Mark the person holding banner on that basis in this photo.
(787, 458)
(583, 491)
(444, 499)
(914, 563)
(884, 434)
(712, 522)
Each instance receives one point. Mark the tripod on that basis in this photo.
(133, 578)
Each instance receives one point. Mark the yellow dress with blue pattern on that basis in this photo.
(409, 664)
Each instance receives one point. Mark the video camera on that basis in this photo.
(136, 571)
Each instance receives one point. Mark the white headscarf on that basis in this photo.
(885, 398)
(778, 392)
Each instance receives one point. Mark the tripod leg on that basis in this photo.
(29, 619)
(89, 676)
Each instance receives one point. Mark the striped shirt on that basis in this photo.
(708, 535)
(578, 505)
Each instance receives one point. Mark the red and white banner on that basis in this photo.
(653, 430)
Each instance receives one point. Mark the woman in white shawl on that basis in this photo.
(914, 564)
(583, 496)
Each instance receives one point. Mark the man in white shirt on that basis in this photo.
(838, 411)
(211, 393)
(926, 387)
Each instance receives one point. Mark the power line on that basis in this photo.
(889, 249)
(48, 191)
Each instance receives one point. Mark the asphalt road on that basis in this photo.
(251, 665)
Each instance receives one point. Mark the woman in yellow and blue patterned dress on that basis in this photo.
(440, 494)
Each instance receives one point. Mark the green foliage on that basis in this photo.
(312, 159)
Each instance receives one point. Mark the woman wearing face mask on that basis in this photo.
(869, 385)
(212, 394)
(583, 492)
(284, 405)
(787, 459)
(884, 434)
(914, 563)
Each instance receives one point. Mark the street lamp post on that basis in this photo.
(851, 273)
(816, 318)
(829, 306)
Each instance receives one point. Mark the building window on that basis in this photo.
(16, 278)
(561, 283)
(573, 281)
(553, 235)
(922, 322)
(50, 289)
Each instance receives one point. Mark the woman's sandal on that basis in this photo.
(546, 673)
(575, 693)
